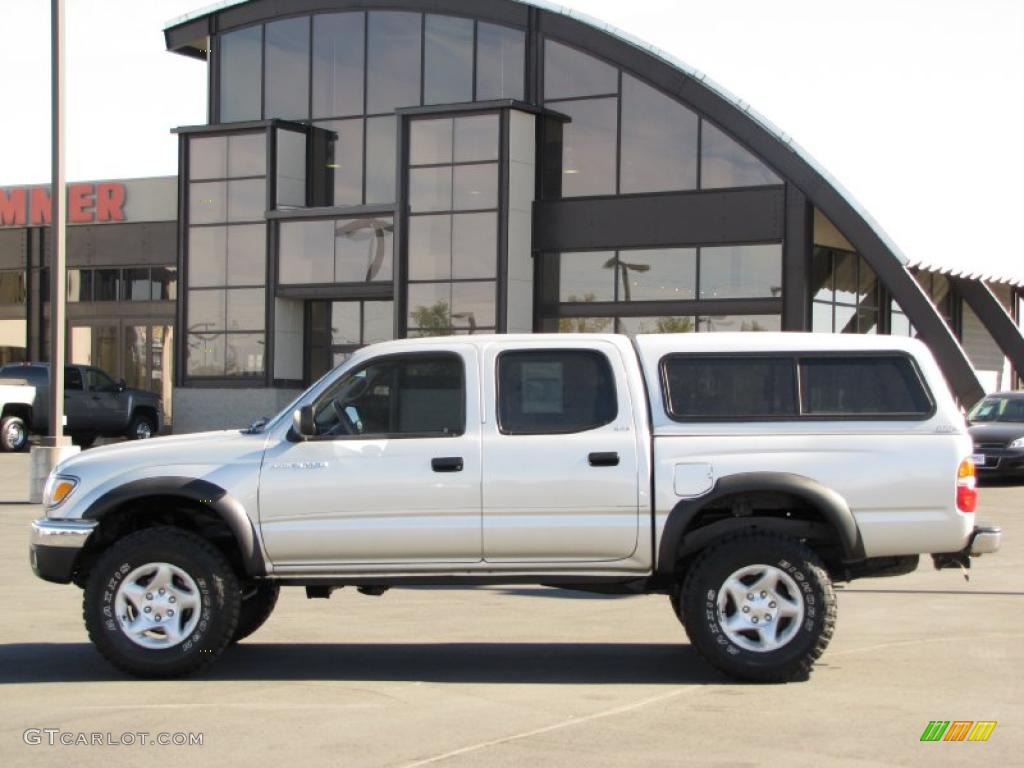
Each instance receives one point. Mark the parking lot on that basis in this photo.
(527, 676)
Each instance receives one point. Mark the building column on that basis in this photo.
(796, 261)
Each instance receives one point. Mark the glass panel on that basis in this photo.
(338, 64)
(306, 252)
(79, 286)
(821, 317)
(244, 354)
(287, 71)
(247, 255)
(104, 358)
(586, 277)
(473, 305)
(569, 73)
(364, 250)
(206, 256)
(205, 355)
(136, 373)
(378, 321)
(862, 386)
(246, 309)
(430, 247)
(208, 157)
(393, 61)
(106, 285)
(845, 277)
(474, 245)
(12, 286)
(165, 283)
(700, 388)
(206, 310)
(430, 308)
(668, 274)
(731, 323)
(430, 189)
(380, 160)
(588, 147)
(586, 325)
(136, 285)
(500, 53)
(867, 320)
(659, 141)
(555, 392)
(81, 353)
(635, 325)
(821, 275)
(247, 155)
(247, 200)
(475, 187)
(741, 271)
(207, 202)
(291, 169)
(162, 366)
(345, 322)
(240, 68)
(476, 138)
(430, 142)
(845, 319)
(448, 60)
(724, 163)
(867, 285)
(347, 164)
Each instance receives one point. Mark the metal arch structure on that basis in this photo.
(807, 185)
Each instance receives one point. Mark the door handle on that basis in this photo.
(447, 464)
(604, 459)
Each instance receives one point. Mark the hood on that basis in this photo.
(998, 432)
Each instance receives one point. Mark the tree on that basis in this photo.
(675, 325)
(434, 320)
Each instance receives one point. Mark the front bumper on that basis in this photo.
(54, 546)
(991, 462)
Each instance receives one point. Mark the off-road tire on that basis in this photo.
(258, 601)
(794, 660)
(219, 592)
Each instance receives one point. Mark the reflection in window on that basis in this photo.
(12, 286)
(240, 68)
(662, 274)
(733, 323)
(741, 271)
(845, 293)
(500, 56)
(448, 60)
(588, 147)
(286, 80)
(659, 141)
(393, 61)
(724, 163)
(569, 73)
(380, 160)
(291, 169)
(338, 64)
(327, 251)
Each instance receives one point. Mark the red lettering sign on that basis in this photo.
(87, 203)
(12, 207)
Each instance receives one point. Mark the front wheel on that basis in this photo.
(161, 602)
(257, 605)
(142, 427)
(759, 607)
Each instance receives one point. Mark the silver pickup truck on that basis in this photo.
(738, 474)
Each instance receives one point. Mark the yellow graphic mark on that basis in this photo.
(982, 730)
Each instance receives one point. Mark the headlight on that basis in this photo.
(58, 488)
(1018, 443)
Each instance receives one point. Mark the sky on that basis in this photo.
(915, 106)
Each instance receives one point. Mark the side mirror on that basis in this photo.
(122, 385)
(302, 422)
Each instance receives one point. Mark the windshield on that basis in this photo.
(1002, 409)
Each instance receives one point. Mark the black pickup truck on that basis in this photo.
(95, 405)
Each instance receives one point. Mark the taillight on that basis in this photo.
(966, 487)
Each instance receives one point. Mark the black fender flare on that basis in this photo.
(833, 508)
(210, 495)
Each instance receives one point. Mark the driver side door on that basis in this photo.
(392, 476)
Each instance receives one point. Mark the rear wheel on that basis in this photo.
(83, 439)
(161, 602)
(257, 604)
(13, 434)
(759, 607)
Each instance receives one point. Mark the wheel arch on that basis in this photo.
(205, 505)
(691, 525)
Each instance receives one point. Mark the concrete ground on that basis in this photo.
(525, 676)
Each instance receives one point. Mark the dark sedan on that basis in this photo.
(997, 428)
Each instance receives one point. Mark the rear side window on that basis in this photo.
(884, 386)
(554, 391)
(730, 387)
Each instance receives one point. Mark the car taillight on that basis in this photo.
(966, 487)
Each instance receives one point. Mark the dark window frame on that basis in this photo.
(796, 359)
(590, 352)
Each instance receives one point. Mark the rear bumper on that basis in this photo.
(54, 546)
(984, 540)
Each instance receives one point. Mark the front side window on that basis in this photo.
(399, 395)
(555, 392)
(98, 381)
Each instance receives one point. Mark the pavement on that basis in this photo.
(510, 676)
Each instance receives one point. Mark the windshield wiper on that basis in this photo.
(257, 426)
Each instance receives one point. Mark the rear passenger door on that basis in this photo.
(77, 405)
(560, 455)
